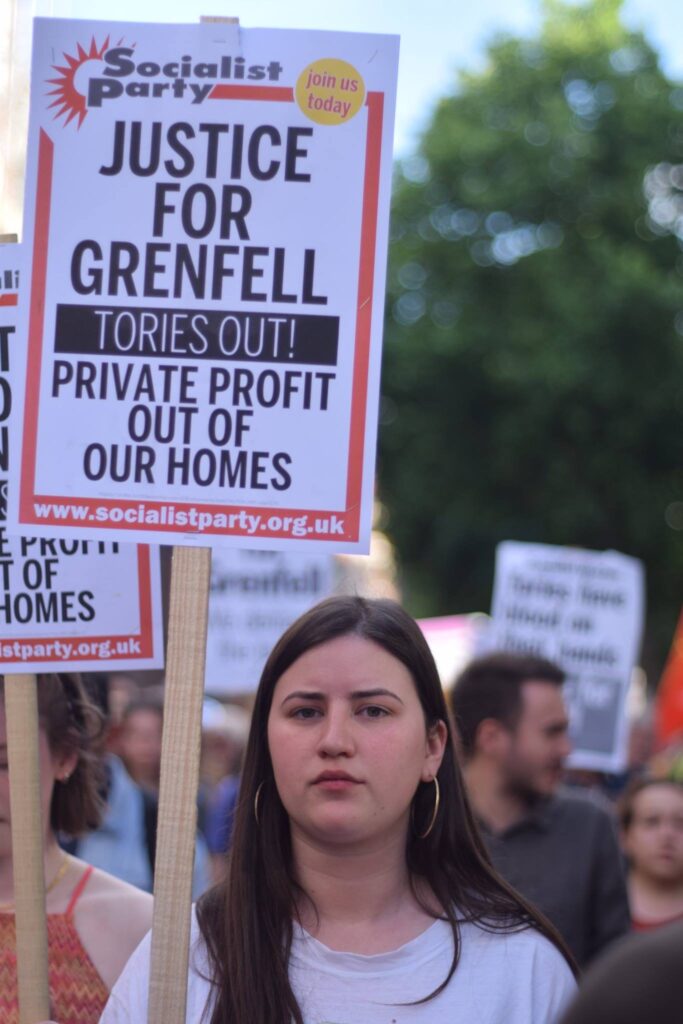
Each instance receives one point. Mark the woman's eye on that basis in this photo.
(305, 713)
(374, 711)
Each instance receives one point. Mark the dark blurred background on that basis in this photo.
(533, 366)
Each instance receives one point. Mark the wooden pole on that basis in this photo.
(21, 710)
(180, 748)
(21, 715)
(186, 654)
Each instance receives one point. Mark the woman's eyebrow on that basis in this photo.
(304, 695)
(377, 692)
(314, 695)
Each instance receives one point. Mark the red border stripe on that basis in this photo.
(41, 235)
(145, 602)
(366, 280)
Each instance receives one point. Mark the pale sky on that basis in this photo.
(437, 36)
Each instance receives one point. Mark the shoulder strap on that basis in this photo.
(76, 894)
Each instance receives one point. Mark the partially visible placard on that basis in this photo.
(254, 597)
(583, 610)
(72, 605)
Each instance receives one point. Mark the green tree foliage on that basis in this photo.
(533, 373)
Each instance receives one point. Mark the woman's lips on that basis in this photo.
(336, 781)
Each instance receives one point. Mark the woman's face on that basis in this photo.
(349, 743)
(51, 769)
(654, 839)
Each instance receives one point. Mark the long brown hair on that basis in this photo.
(246, 920)
(72, 725)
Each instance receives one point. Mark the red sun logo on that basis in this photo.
(71, 99)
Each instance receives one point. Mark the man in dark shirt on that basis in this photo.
(559, 851)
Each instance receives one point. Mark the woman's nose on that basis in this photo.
(336, 737)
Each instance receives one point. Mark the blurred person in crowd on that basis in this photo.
(225, 729)
(122, 690)
(641, 742)
(651, 819)
(139, 741)
(358, 888)
(559, 850)
(124, 844)
(637, 981)
(94, 921)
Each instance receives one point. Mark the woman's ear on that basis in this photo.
(437, 737)
(64, 765)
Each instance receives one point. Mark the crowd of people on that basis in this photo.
(368, 850)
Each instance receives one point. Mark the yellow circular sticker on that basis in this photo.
(330, 91)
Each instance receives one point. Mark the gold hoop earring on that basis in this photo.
(437, 801)
(257, 799)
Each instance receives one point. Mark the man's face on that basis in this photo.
(140, 743)
(538, 746)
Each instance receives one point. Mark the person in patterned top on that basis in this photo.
(94, 920)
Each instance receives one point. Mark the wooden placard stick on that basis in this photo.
(21, 712)
(21, 716)
(177, 825)
(180, 749)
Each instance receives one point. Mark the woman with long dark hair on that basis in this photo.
(358, 889)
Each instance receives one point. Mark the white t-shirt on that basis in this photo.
(504, 978)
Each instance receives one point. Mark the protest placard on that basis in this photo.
(583, 610)
(207, 208)
(254, 597)
(65, 604)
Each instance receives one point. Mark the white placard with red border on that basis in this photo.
(207, 208)
(68, 604)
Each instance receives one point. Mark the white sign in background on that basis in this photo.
(583, 610)
(208, 210)
(67, 604)
(254, 597)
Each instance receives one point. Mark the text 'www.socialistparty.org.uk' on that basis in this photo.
(196, 520)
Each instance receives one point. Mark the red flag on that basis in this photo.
(669, 700)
